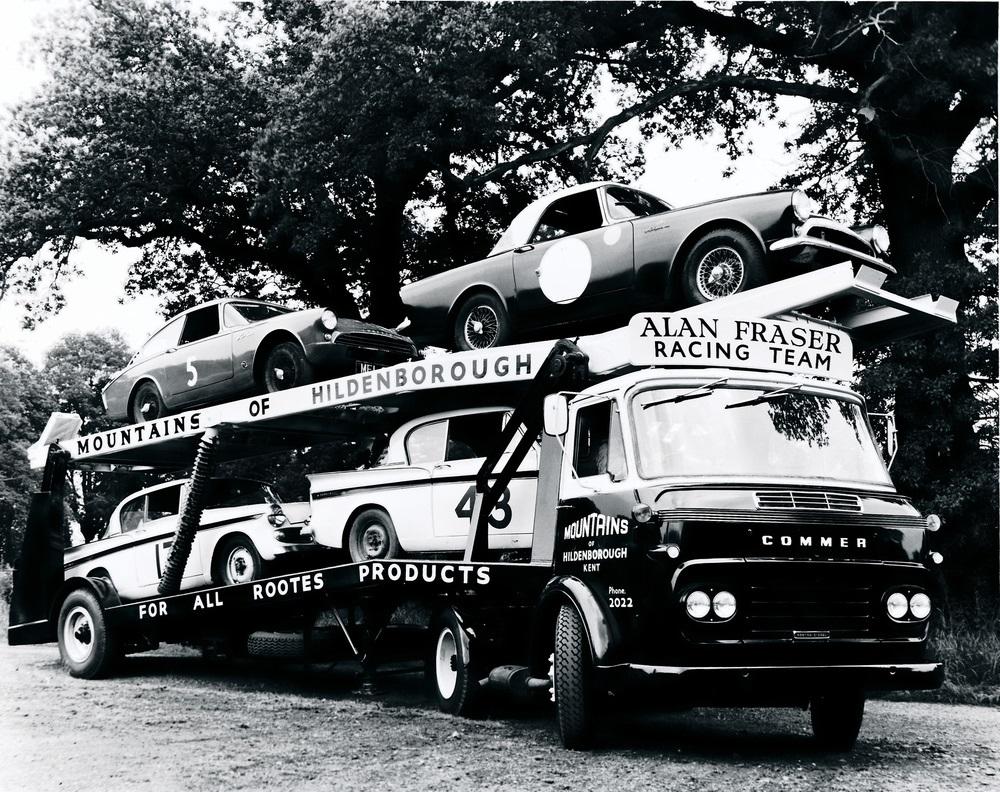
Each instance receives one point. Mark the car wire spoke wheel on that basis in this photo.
(78, 635)
(240, 565)
(482, 327)
(720, 273)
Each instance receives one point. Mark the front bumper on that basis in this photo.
(811, 247)
(768, 684)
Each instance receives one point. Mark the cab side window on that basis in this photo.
(626, 204)
(200, 324)
(599, 448)
(472, 436)
(133, 514)
(163, 503)
(573, 214)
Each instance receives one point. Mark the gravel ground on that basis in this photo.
(172, 720)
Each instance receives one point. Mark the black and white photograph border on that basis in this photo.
(520, 395)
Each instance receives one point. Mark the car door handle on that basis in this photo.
(172, 349)
(443, 466)
(538, 272)
(524, 248)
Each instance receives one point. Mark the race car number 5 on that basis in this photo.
(464, 508)
(193, 379)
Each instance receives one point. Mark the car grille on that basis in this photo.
(839, 236)
(805, 499)
(377, 342)
(817, 608)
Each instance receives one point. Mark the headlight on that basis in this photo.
(803, 206)
(880, 239)
(933, 522)
(698, 604)
(724, 605)
(328, 319)
(920, 606)
(897, 605)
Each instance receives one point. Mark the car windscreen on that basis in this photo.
(228, 493)
(239, 314)
(743, 432)
(626, 204)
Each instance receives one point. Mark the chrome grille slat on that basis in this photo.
(793, 517)
(375, 343)
(805, 499)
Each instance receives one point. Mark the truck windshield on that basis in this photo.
(798, 435)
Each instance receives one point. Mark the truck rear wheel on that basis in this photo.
(450, 671)
(836, 718)
(87, 647)
(572, 680)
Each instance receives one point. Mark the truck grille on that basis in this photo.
(377, 342)
(789, 499)
(839, 236)
(827, 608)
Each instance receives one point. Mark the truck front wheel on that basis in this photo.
(450, 672)
(572, 679)
(836, 718)
(87, 647)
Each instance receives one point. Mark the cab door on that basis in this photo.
(573, 263)
(202, 362)
(453, 486)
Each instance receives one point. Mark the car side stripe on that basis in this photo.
(323, 494)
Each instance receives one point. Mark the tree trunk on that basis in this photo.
(386, 254)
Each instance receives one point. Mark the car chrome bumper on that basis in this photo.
(790, 243)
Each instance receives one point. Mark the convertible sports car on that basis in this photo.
(419, 497)
(603, 250)
(226, 348)
(244, 526)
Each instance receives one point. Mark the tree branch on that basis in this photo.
(976, 190)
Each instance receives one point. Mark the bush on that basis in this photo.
(6, 584)
(970, 650)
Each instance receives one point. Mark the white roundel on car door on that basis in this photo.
(564, 271)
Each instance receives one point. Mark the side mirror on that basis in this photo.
(885, 435)
(555, 415)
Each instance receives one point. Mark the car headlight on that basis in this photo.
(698, 604)
(920, 606)
(724, 605)
(933, 522)
(880, 239)
(897, 605)
(803, 206)
(328, 319)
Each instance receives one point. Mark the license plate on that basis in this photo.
(363, 367)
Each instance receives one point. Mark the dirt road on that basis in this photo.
(175, 721)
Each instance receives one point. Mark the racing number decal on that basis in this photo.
(464, 508)
(193, 379)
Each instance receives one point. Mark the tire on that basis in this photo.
(722, 263)
(836, 718)
(450, 670)
(286, 366)
(147, 403)
(236, 561)
(87, 647)
(372, 536)
(572, 680)
(481, 323)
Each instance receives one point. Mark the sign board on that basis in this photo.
(804, 348)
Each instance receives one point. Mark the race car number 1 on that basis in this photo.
(464, 508)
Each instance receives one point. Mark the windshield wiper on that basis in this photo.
(768, 396)
(694, 393)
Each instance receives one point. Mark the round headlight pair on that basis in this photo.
(328, 319)
(898, 606)
(880, 239)
(698, 605)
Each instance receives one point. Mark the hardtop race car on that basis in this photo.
(602, 250)
(418, 498)
(219, 350)
(245, 525)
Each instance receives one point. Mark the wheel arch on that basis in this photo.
(353, 516)
(135, 388)
(269, 342)
(603, 634)
(695, 234)
(471, 290)
(220, 543)
(102, 588)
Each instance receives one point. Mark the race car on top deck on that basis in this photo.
(601, 250)
(226, 348)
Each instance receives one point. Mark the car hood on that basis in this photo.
(736, 198)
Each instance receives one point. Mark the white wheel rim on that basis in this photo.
(239, 565)
(482, 327)
(374, 541)
(720, 273)
(78, 635)
(446, 664)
